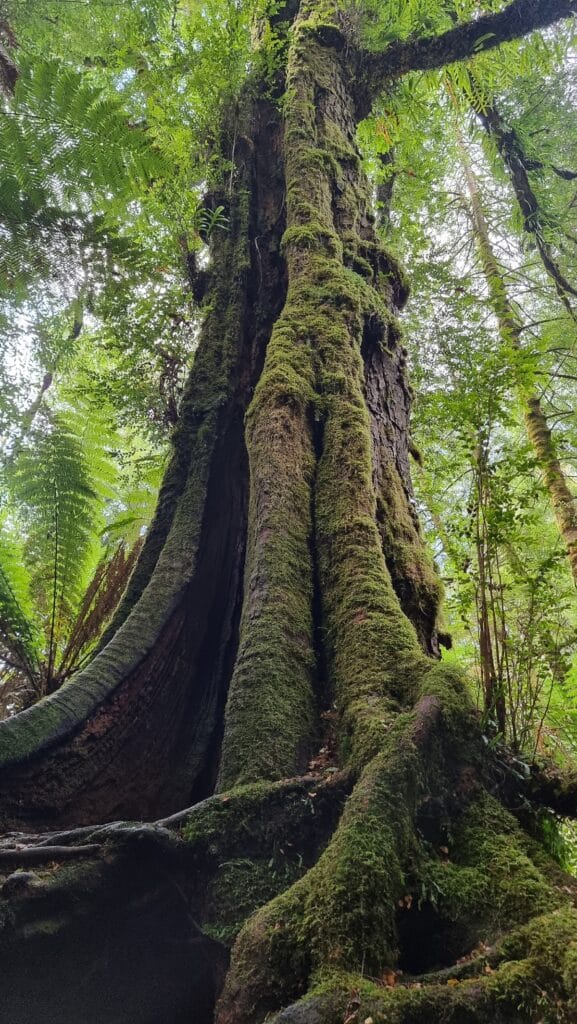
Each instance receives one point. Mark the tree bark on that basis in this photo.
(397, 852)
(511, 150)
(137, 733)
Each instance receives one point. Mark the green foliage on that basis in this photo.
(118, 125)
(19, 643)
(67, 529)
(481, 490)
(59, 482)
(71, 161)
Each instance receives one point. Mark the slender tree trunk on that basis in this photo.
(519, 166)
(563, 502)
(492, 681)
(401, 854)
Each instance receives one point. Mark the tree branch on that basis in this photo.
(557, 792)
(519, 18)
(513, 155)
(42, 854)
(8, 69)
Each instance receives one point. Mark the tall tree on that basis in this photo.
(283, 590)
(510, 328)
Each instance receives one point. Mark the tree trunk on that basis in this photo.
(563, 502)
(519, 166)
(325, 641)
(137, 733)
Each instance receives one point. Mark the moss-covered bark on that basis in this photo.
(423, 856)
(163, 676)
(397, 853)
(563, 501)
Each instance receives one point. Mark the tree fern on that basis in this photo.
(97, 605)
(58, 484)
(20, 638)
(72, 159)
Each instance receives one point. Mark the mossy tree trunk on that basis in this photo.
(285, 577)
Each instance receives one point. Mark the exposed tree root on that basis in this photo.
(117, 936)
(424, 868)
(328, 885)
(425, 872)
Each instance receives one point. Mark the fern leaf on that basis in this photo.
(61, 482)
(20, 641)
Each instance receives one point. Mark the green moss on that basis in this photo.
(339, 144)
(213, 821)
(487, 881)
(570, 968)
(450, 685)
(375, 657)
(349, 914)
(360, 265)
(270, 713)
(342, 915)
(312, 235)
(536, 985)
(241, 886)
(407, 558)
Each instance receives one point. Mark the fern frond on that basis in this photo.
(70, 155)
(20, 639)
(98, 605)
(134, 507)
(60, 482)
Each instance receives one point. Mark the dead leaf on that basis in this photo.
(389, 979)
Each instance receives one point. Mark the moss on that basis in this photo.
(534, 983)
(373, 654)
(360, 265)
(450, 685)
(214, 819)
(311, 235)
(414, 575)
(270, 713)
(349, 915)
(398, 278)
(486, 879)
(243, 885)
(343, 912)
(314, 348)
(340, 145)
(342, 915)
